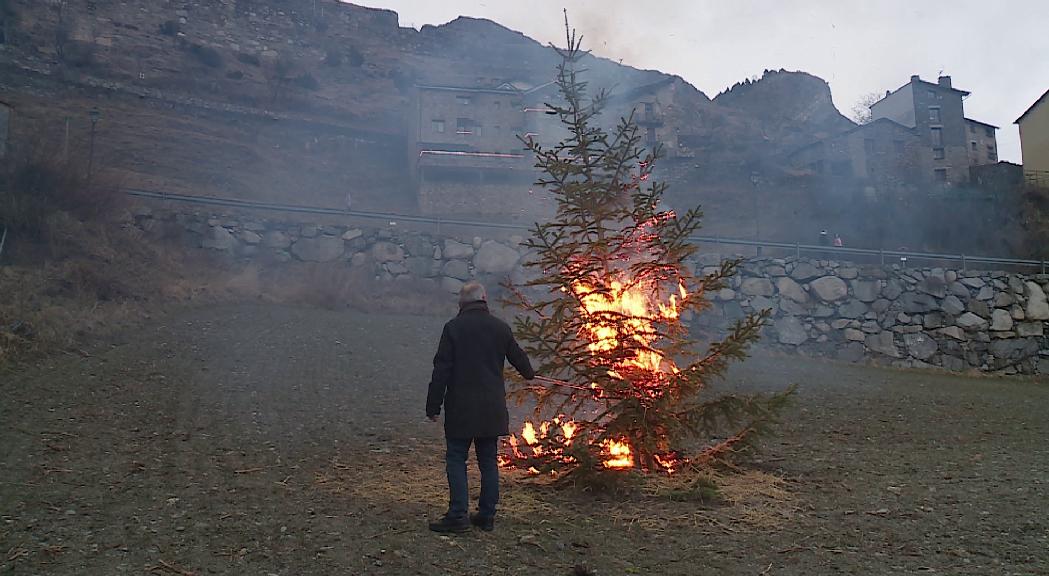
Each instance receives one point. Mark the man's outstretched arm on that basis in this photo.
(519, 360)
(443, 362)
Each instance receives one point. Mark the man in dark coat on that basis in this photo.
(468, 381)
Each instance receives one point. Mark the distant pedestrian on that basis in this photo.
(838, 243)
(824, 239)
(468, 381)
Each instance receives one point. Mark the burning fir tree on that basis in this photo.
(625, 383)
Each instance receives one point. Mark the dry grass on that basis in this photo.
(337, 285)
(746, 500)
(75, 267)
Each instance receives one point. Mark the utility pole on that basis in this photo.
(65, 144)
(94, 114)
(755, 180)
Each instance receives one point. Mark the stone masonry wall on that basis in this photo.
(987, 321)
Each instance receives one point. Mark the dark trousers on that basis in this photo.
(486, 450)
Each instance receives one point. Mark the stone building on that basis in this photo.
(983, 146)
(1034, 141)
(466, 154)
(918, 138)
(937, 114)
(882, 156)
(466, 149)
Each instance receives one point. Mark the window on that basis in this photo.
(438, 127)
(934, 114)
(464, 126)
(464, 100)
(898, 145)
(868, 145)
(937, 154)
(941, 175)
(973, 145)
(972, 128)
(497, 103)
(648, 108)
(992, 154)
(932, 94)
(989, 131)
(650, 135)
(937, 136)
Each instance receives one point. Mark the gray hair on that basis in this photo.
(472, 292)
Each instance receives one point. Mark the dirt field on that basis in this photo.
(276, 440)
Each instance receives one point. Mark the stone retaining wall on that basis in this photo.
(957, 320)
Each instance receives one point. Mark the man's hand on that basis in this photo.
(433, 418)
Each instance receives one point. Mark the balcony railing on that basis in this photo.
(1038, 178)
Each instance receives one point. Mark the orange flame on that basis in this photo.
(568, 429)
(619, 455)
(626, 314)
(633, 303)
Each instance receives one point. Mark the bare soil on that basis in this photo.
(264, 439)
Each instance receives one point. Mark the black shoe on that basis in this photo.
(448, 525)
(486, 523)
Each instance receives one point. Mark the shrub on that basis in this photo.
(355, 57)
(250, 59)
(333, 57)
(34, 192)
(207, 55)
(306, 81)
(169, 28)
(78, 54)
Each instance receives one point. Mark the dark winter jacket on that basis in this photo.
(468, 373)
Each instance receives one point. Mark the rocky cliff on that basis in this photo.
(791, 108)
(303, 100)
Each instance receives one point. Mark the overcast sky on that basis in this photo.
(998, 50)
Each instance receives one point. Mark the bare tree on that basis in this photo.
(279, 74)
(861, 111)
(8, 20)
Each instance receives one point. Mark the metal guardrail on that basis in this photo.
(797, 248)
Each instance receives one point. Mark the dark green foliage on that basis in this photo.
(333, 57)
(78, 54)
(249, 59)
(169, 28)
(1034, 201)
(355, 57)
(206, 55)
(306, 81)
(8, 20)
(611, 233)
(33, 192)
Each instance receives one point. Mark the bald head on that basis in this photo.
(472, 292)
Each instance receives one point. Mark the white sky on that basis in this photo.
(996, 49)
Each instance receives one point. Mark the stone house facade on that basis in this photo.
(937, 114)
(466, 154)
(1034, 141)
(983, 146)
(882, 156)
